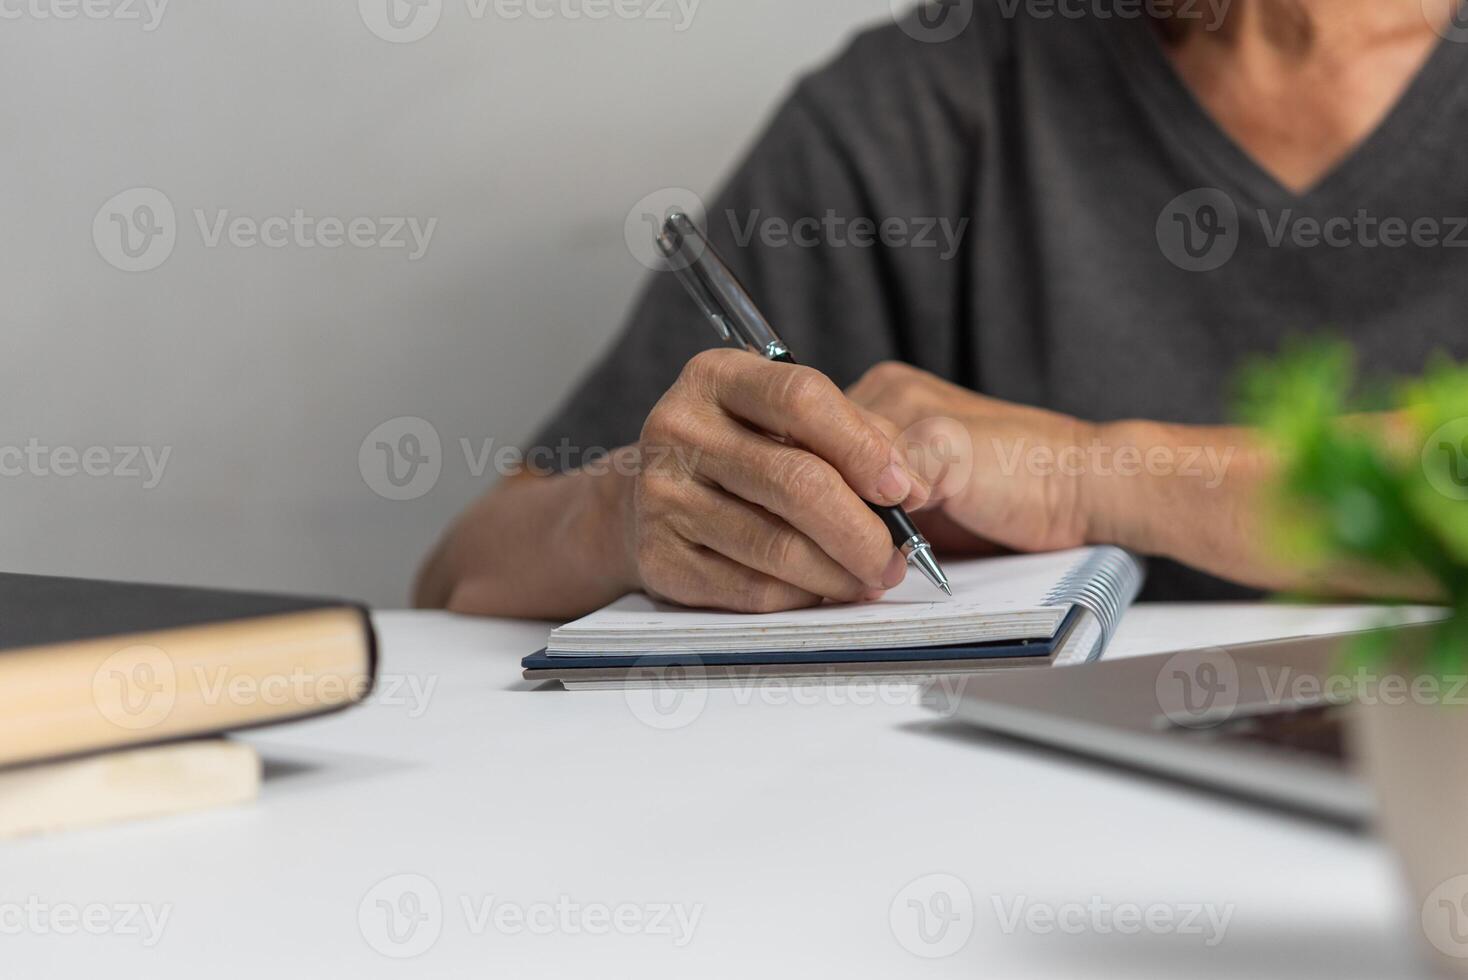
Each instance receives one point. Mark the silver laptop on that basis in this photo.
(1261, 720)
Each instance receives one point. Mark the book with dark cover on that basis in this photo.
(89, 665)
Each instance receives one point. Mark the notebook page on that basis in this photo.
(993, 598)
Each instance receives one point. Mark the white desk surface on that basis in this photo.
(791, 828)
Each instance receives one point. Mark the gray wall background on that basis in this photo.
(261, 370)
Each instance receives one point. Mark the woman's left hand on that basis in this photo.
(1001, 473)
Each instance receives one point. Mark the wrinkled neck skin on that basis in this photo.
(1300, 83)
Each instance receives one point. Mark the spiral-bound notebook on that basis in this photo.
(1020, 610)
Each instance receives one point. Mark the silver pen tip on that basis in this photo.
(921, 557)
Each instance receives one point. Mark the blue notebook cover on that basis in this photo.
(1040, 649)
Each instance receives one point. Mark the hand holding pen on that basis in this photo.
(747, 489)
(823, 439)
(750, 491)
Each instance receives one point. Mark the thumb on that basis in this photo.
(922, 488)
(939, 452)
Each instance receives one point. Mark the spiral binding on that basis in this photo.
(1106, 582)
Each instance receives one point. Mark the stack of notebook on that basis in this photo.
(1021, 610)
(112, 694)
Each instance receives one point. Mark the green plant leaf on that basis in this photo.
(1347, 491)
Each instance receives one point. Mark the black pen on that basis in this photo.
(728, 306)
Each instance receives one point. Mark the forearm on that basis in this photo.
(534, 547)
(1191, 493)
(1199, 495)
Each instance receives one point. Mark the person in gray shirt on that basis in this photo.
(1045, 232)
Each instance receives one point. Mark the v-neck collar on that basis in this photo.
(1177, 110)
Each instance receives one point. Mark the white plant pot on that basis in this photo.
(1414, 751)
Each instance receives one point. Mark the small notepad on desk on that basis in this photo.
(1019, 610)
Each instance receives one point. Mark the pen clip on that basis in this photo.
(680, 266)
(715, 288)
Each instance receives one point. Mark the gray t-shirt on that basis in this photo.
(1039, 210)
